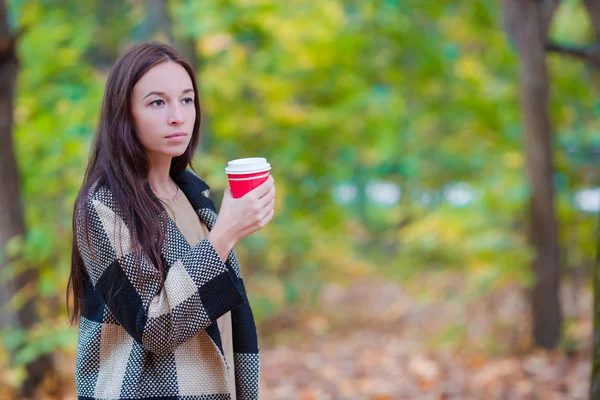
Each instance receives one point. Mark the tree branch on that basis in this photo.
(590, 54)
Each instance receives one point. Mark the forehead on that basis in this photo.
(168, 77)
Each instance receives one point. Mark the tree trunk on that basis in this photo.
(158, 25)
(11, 214)
(528, 22)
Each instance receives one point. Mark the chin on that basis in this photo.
(177, 153)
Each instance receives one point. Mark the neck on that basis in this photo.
(158, 177)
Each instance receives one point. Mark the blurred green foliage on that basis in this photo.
(420, 94)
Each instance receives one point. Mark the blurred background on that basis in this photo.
(438, 182)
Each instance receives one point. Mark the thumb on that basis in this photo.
(225, 200)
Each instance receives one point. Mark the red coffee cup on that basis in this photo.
(246, 174)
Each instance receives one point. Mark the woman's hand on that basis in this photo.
(242, 217)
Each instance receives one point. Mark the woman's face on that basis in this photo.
(162, 105)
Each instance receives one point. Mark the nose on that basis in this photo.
(176, 117)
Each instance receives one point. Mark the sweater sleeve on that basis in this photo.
(198, 288)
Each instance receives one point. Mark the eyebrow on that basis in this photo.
(164, 94)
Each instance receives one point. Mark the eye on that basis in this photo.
(157, 103)
(188, 100)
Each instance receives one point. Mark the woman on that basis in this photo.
(162, 308)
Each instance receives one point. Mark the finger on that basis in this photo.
(267, 218)
(266, 210)
(267, 198)
(263, 189)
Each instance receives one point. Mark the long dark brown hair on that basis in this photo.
(118, 161)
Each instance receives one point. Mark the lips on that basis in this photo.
(178, 134)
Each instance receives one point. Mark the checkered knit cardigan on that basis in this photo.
(137, 341)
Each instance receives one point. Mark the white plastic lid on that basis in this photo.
(247, 165)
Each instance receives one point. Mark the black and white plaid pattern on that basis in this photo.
(139, 341)
(246, 381)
